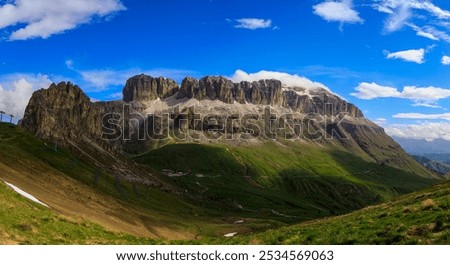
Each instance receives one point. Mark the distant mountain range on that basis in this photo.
(435, 165)
(414, 146)
(434, 155)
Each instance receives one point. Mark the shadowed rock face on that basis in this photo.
(264, 92)
(52, 111)
(63, 113)
(146, 88)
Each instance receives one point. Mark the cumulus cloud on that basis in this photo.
(253, 23)
(414, 56)
(422, 96)
(428, 131)
(422, 116)
(16, 90)
(445, 60)
(42, 18)
(373, 90)
(285, 78)
(338, 11)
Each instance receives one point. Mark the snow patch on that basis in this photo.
(230, 234)
(25, 194)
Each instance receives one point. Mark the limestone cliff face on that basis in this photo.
(61, 112)
(64, 114)
(266, 92)
(213, 88)
(146, 88)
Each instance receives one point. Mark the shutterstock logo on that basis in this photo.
(190, 124)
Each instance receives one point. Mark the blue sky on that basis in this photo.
(389, 57)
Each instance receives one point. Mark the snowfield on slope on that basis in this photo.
(25, 194)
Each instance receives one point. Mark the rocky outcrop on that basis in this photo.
(320, 102)
(213, 88)
(64, 114)
(62, 111)
(267, 92)
(146, 88)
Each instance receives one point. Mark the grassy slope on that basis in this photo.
(67, 183)
(421, 217)
(418, 218)
(302, 180)
(267, 185)
(25, 222)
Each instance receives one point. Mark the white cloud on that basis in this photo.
(430, 7)
(253, 23)
(393, 6)
(428, 131)
(426, 35)
(285, 78)
(422, 96)
(430, 32)
(403, 12)
(99, 80)
(425, 94)
(383, 9)
(373, 90)
(69, 64)
(428, 105)
(338, 11)
(415, 56)
(445, 60)
(421, 116)
(16, 91)
(398, 18)
(42, 18)
(381, 121)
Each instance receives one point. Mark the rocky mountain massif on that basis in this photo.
(64, 114)
(256, 155)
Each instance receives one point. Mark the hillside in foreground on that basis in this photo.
(418, 218)
(25, 222)
(85, 199)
